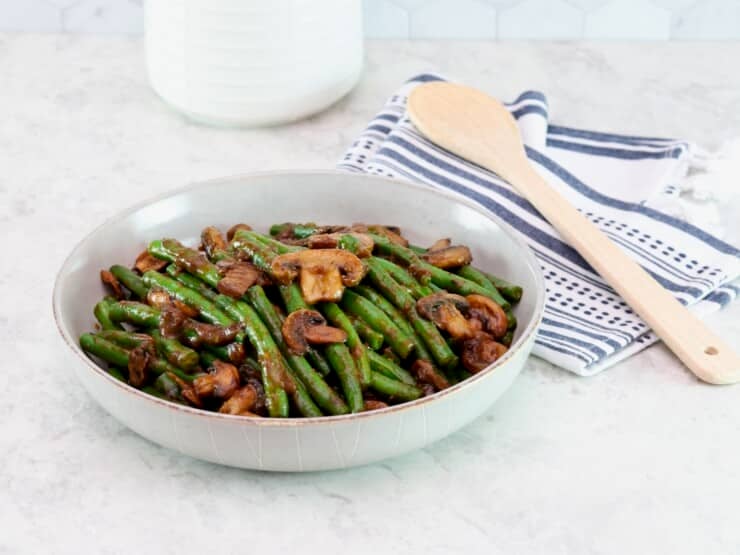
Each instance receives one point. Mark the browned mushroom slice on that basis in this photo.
(440, 244)
(212, 241)
(304, 327)
(238, 277)
(364, 243)
(426, 373)
(489, 314)
(236, 227)
(444, 309)
(145, 262)
(323, 273)
(138, 363)
(392, 233)
(111, 281)
(450, 257)
(210, 334)
(374, 404)
(187, 391)
(480, 351)
(221, 383)
(171, 321)
(242, 402)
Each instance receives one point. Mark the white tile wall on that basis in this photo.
(465, 19)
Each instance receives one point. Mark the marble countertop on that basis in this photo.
(640, 459)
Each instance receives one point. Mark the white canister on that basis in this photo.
(253, 62)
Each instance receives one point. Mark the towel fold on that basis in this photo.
(628, 186)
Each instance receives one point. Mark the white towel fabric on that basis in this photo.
(629, 186)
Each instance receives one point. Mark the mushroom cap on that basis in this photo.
(285, 267)
(323, 272)
(440, 244)
(449, 257)
(221, 383)
(489, 313)
(212, 240)
(446, 311)
(304, 327)
(363, 243)
(480, 351)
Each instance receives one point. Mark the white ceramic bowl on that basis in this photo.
(261, 199)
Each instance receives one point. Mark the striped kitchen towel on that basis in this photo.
(629, 186)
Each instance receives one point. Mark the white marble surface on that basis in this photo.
(640, 459)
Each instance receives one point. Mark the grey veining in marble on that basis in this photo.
(640, 459)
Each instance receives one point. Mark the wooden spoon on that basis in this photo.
(477, 127)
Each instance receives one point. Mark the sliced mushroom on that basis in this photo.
(212, 241)
(171, 320)
(440, 244)
(374, 404)
(145, 262)
(138, 363)
(210, 334)
(308, 327)
(221, 383)
(187, 391)
(238, 276)
(111, 281)
(362, 243)
(446, 311)
(425, 372)
(234, 228)
(450, 257)
(242, 402)
(392, 233)
(481, 351)
(489, 314)
(323, 273)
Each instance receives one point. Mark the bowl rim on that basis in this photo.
(530, 329)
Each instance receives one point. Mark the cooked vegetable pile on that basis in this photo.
(309, 321)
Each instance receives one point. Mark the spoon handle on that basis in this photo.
(703, 352)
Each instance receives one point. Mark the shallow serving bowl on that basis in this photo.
(299, 444)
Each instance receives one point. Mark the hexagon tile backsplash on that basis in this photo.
(438, 19)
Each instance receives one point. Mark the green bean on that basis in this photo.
(118, 356)
(389, 368)
(168, 387)
(117, 373)
(339, 357)
(268, 354)
(134, 313)
(510, 292)
(125, 339)
(373, 339)
(191, 281)
(357, 348)
(318, 361)
(189, 259)
(355, 304)
(174, 352)
(442, 278)
(102, 348)
(404, 278)
(207, 309)
(428, 332)
(324, 395)
(508, 338)
(207, 358)
(393, 388)
(130, 280)
(344, 365)
(102, 314)
(154, 392)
